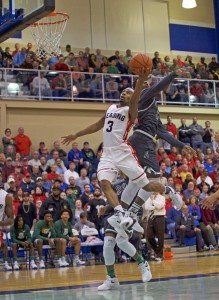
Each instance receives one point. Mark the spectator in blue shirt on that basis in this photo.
(19, 58)
(172, 214)
(76, 156)
(209, 165)
(194, 210)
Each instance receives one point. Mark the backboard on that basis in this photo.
(16, 15)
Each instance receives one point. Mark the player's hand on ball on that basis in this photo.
(188, 149)
(68, 139)
(143, 74)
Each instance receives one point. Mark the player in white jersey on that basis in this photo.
(117, 153)
(6, 219)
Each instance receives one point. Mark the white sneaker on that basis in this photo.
(145, 271)
(135, 226)
(33, 265)
(109, 284)
(16, 266)
(176, 198)
(7, 267)
(211, 247)
(119, 218)
(61, 263)
(78, 262)
(66, 264)
(42, 265)
(205, 248)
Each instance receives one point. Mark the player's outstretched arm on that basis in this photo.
(8, 211)
(148, 95)
(88, 130)
(210, 201)
(133, 106)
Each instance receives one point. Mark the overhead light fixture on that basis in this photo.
(189, 4)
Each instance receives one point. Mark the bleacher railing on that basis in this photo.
(51, 85)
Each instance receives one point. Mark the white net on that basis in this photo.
(48, 33)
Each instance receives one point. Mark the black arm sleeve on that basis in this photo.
(147, 95)
(164, 135)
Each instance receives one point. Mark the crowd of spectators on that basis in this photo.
(52, 180)
(84, 83)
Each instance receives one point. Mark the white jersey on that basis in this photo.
(117, 125)
(3, 195)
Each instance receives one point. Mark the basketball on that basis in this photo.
(140, 61)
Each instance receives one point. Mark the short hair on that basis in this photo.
(65, 210)
(86, 143)
(46, 212)
(83, 215)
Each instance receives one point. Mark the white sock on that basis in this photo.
(119, 207)
(135, 208)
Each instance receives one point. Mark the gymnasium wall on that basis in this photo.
(45, 121)
(141, 25)
(192, 30)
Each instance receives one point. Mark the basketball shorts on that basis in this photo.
(121, 158)
(145, 152)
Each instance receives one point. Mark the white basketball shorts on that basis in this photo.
(121, 158)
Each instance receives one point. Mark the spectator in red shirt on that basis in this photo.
(18, 177)
(82, 62)
(53, 175)
(61, 66)
(7, 170)
(170, 126)
(159, 153)
(23, 142)
(39, 195)
(59, 86)
(214, 174)
(209, 227)
(25, 167)
(176, 178)
(197, 91)
(173, 154)
(179, 61)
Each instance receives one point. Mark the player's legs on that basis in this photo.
(127, 247)
(4, 250)
(38, 243)
(109, 258)
(76, 243)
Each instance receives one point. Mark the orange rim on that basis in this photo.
(53, 14)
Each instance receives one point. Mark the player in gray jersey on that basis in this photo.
(143, 142)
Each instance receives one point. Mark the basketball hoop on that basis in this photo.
(48, 33)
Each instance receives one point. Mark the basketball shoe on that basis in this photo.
(118, 217)
(144, 268)
(135, 226)
(109, 284)
(175, 197)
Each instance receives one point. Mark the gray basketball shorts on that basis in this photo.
(145, 152)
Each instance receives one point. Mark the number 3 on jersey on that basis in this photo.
(110, 128)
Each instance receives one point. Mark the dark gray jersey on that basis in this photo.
(148, 113)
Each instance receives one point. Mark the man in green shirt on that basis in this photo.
(63, 230)
(44, 234)
(21, 238)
